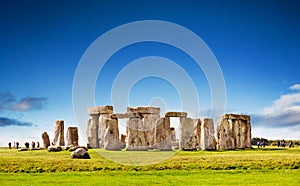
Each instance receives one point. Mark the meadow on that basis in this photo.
(269, 166)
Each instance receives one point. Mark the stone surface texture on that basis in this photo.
(46, 140)
(72, 136)
(207, 141)
(59, 138)
(80, 153)
(234, 132)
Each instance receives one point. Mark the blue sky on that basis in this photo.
(256, 44)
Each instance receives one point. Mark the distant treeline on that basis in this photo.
(273, 142)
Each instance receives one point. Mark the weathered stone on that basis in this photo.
(59, 133)
(175, 114)
(92, 131)
(144, 110)
(234, 131)
(111, 136)
(72, 136)
(163, 136)
(173, 134)
(46, 140)
(103, 124)
(101, 110)
(207, 141)
(80, 153)
(136, 135)
(73, 148)
(123, 140)
(126, 115)
(149, 128)
(54, 148)
(189, 134)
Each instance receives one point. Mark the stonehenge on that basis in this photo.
(146, 129)
(59, 137)
(234, 132)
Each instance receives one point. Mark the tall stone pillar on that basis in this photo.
(111, 136)
(149, 127)
(72, 136)
(46, 140)
(189, 133)
(92, 130)
(163, 134)
(136, 135)
(207, 141)
(59, 133)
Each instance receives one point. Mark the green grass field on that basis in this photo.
(237, 167)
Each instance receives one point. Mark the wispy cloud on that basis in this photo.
(295, 87)
(8, 102)
(5, 122)
(283, 113)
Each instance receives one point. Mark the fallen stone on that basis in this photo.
(54, 149)
(80, 153)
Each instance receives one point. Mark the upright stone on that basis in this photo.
(149, 128)
(136, 135)
(59, 133)
(189, 137)
(104, 119)
(234, 131)
(46, 140)
(111, 136)
(163, 137)
(92, 130)
(207, 141)
(123, 140)
(72, 136)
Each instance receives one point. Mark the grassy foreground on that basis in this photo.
(239, 167)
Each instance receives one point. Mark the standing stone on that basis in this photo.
(46, 140)
(92, 130)
(234, 131)
(136, 136)
(123, 140)
(149, 128)
(72, 136)
(111, 136)
(97, 125)
(189, 134)
(59, 133)
(207, 141)
(173, 135)
(104, 119)
(163, 137)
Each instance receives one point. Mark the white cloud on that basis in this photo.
(295, 87)
(285, 112)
